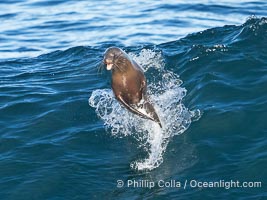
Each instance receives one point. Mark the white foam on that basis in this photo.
(166, 94)
(148, 58)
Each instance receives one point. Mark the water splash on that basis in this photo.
(166, 93)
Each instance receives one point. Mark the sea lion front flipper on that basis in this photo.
(132, 109)
(151, 110)
(147, 104)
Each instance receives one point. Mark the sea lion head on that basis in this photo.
(115, 59)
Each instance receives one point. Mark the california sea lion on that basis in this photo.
(129, 84)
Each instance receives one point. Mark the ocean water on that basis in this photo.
(63, 135)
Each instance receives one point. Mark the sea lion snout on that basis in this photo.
(109, 63)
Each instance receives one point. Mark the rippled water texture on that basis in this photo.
(32, 27)
(64, 136)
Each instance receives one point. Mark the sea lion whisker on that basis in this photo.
(100, 67)
(120, 68)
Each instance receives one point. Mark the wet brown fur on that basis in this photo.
(129, 83)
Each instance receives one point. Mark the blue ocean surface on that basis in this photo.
(63, 135)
